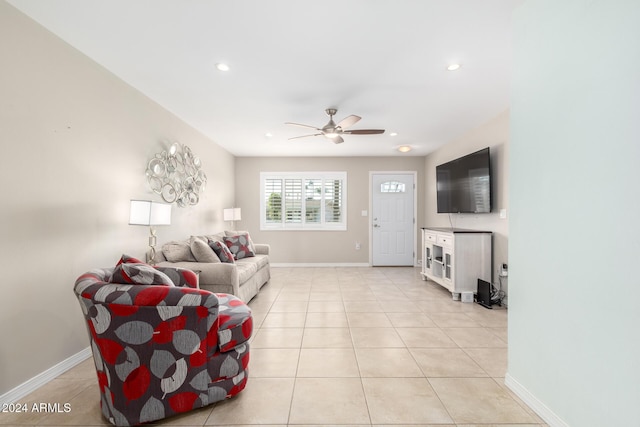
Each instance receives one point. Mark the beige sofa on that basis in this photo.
(243, 277)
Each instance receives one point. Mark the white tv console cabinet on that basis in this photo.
(456, 258)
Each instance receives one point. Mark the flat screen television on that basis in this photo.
(464, 184)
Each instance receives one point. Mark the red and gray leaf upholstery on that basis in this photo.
(161, 350)
(240, 246)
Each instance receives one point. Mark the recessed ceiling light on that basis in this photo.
(268, 134)
(222, 66)
(404, 148)
(393, 134)
(453, 67)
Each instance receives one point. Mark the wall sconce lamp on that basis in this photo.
(233, 215)
(145, 212)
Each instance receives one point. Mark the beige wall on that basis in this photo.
(75, 142)
(494, 134)
(314, 247)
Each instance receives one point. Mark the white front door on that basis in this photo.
(392, 219)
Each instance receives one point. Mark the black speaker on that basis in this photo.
(484, 293)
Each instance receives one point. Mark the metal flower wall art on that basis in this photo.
(176, 175)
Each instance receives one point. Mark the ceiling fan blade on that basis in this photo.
(337, 140)
(305, 136)
(364, 131)
(349, 121)
(300, 124)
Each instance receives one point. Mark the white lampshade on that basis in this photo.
(145, 212)
(232, 214)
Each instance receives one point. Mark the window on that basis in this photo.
(303, 201)
(392, 187)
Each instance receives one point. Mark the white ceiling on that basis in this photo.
(383, 60)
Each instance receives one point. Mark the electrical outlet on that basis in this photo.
(504, 272)
(357, 246)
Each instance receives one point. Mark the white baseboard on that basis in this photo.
(42, 378)
(540, 408)
(319, 264)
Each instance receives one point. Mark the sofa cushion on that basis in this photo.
(240, 246)
(177, 251)
(246, 270)
(201, 251)
(159, 256)
(259, 260)
(139, 274)
(221, 250)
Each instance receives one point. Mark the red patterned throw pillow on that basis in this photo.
(222, 251)
(240, 246)
(128, 259)
(140, 274)
(134, 271)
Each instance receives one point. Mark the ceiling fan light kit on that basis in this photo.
(333, 131)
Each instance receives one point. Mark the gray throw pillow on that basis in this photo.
(202, 251)
(177, 251)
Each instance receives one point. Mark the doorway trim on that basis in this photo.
(415, 211)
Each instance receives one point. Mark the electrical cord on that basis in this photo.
(497, 294)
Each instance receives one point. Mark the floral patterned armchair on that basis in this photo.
(164, 346)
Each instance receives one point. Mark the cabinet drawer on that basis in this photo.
(445, 240)
(430, 238)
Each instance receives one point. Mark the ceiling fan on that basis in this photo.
(334, 131)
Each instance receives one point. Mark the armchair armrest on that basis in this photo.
(180, 276)
(262, 248)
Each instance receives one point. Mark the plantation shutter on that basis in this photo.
(333, 200)
(313, 200)
(273, 202)
(293, 201)
(303, 201)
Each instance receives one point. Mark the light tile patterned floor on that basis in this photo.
(346, 346)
